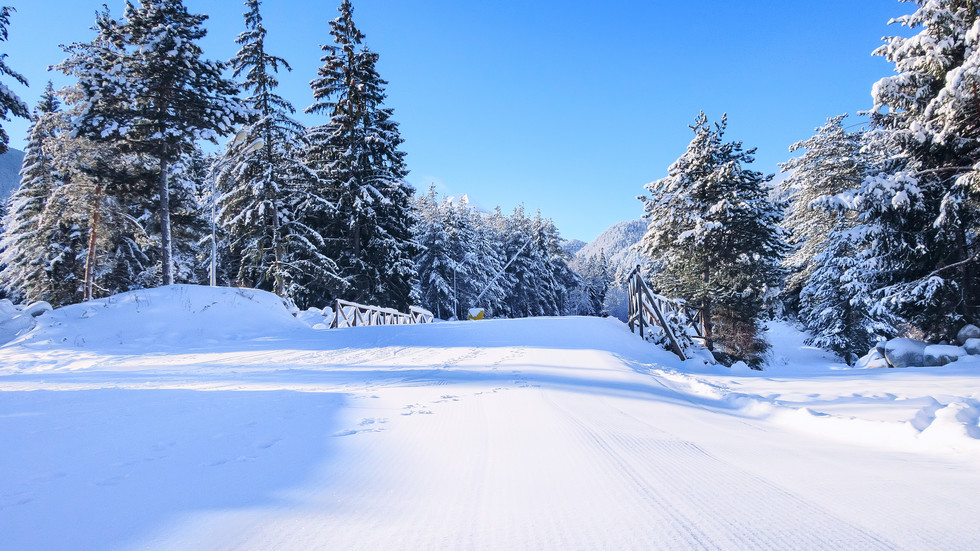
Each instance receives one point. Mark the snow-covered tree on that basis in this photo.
(267, 180)
(463, 254)
(487, 258)
(830, 163)
(538, 280)
(515, 265)
(919, 207)
(10, 103)
(356, 156)
(836, 302)
(433, 262)
(713, 232)
(827, 285)
(596, 280)
(40, 239)
(147, 90)
(190, 217)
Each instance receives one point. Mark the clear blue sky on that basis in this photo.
(564, 105)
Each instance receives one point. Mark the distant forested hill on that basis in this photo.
(619, 244)
(572, 246)
(10, 172)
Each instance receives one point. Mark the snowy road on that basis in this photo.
(524, 434)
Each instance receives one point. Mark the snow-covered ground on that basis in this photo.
(196, 418)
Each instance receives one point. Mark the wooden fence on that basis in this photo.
(351, 314)
(647, 309)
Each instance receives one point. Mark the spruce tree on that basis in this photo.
(435, 285)
(830, 290)
(830, 163)
(713, 233)
(268, 180)
(826, 283)
(34, 231)
(487, 249)
(596, 280)
(10, 103)
(147, 90)
(356, 156)
(464, 262)
(919, 206)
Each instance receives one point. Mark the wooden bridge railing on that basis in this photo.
(351, 314)
(647, 308)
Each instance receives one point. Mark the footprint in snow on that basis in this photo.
(17, 503)
(239, 459)
(351, 432)
(369, 424)
(269, 444)
(446, 398)
(416, 408)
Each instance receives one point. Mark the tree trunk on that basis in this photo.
(165, 242)
(706, 316)
(706, 324)
(278, 249)
(967, 281)
(93, 237)
(280, 285)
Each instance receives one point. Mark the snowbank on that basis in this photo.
(317, 318)
(15, 320)
(185, 316)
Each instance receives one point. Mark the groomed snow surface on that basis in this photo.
(195, 418)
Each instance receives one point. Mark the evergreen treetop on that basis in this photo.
(10, 103)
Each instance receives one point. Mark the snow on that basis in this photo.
(195, 418)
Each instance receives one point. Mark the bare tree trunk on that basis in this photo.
(93, 238)
(165, 242)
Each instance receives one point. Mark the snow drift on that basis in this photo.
(166, 317)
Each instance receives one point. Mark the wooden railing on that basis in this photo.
(647, 308)
(351, 314)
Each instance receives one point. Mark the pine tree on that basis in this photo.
(111, 193)
(538, 280)
(462, 255)
(919, 206)
(147, 89)
(369, 230)
(190, 217)
(268, 180)
(596, 281)
(831, 163)
(433, 262)
(10, 103)
(487, 249)
(836, 303)
(35, 230)
(831, 292)
(713, 232)
(86, 238)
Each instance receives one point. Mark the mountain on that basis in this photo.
(572, 246)
(10, 172)
(619, 244)
(478, 207)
